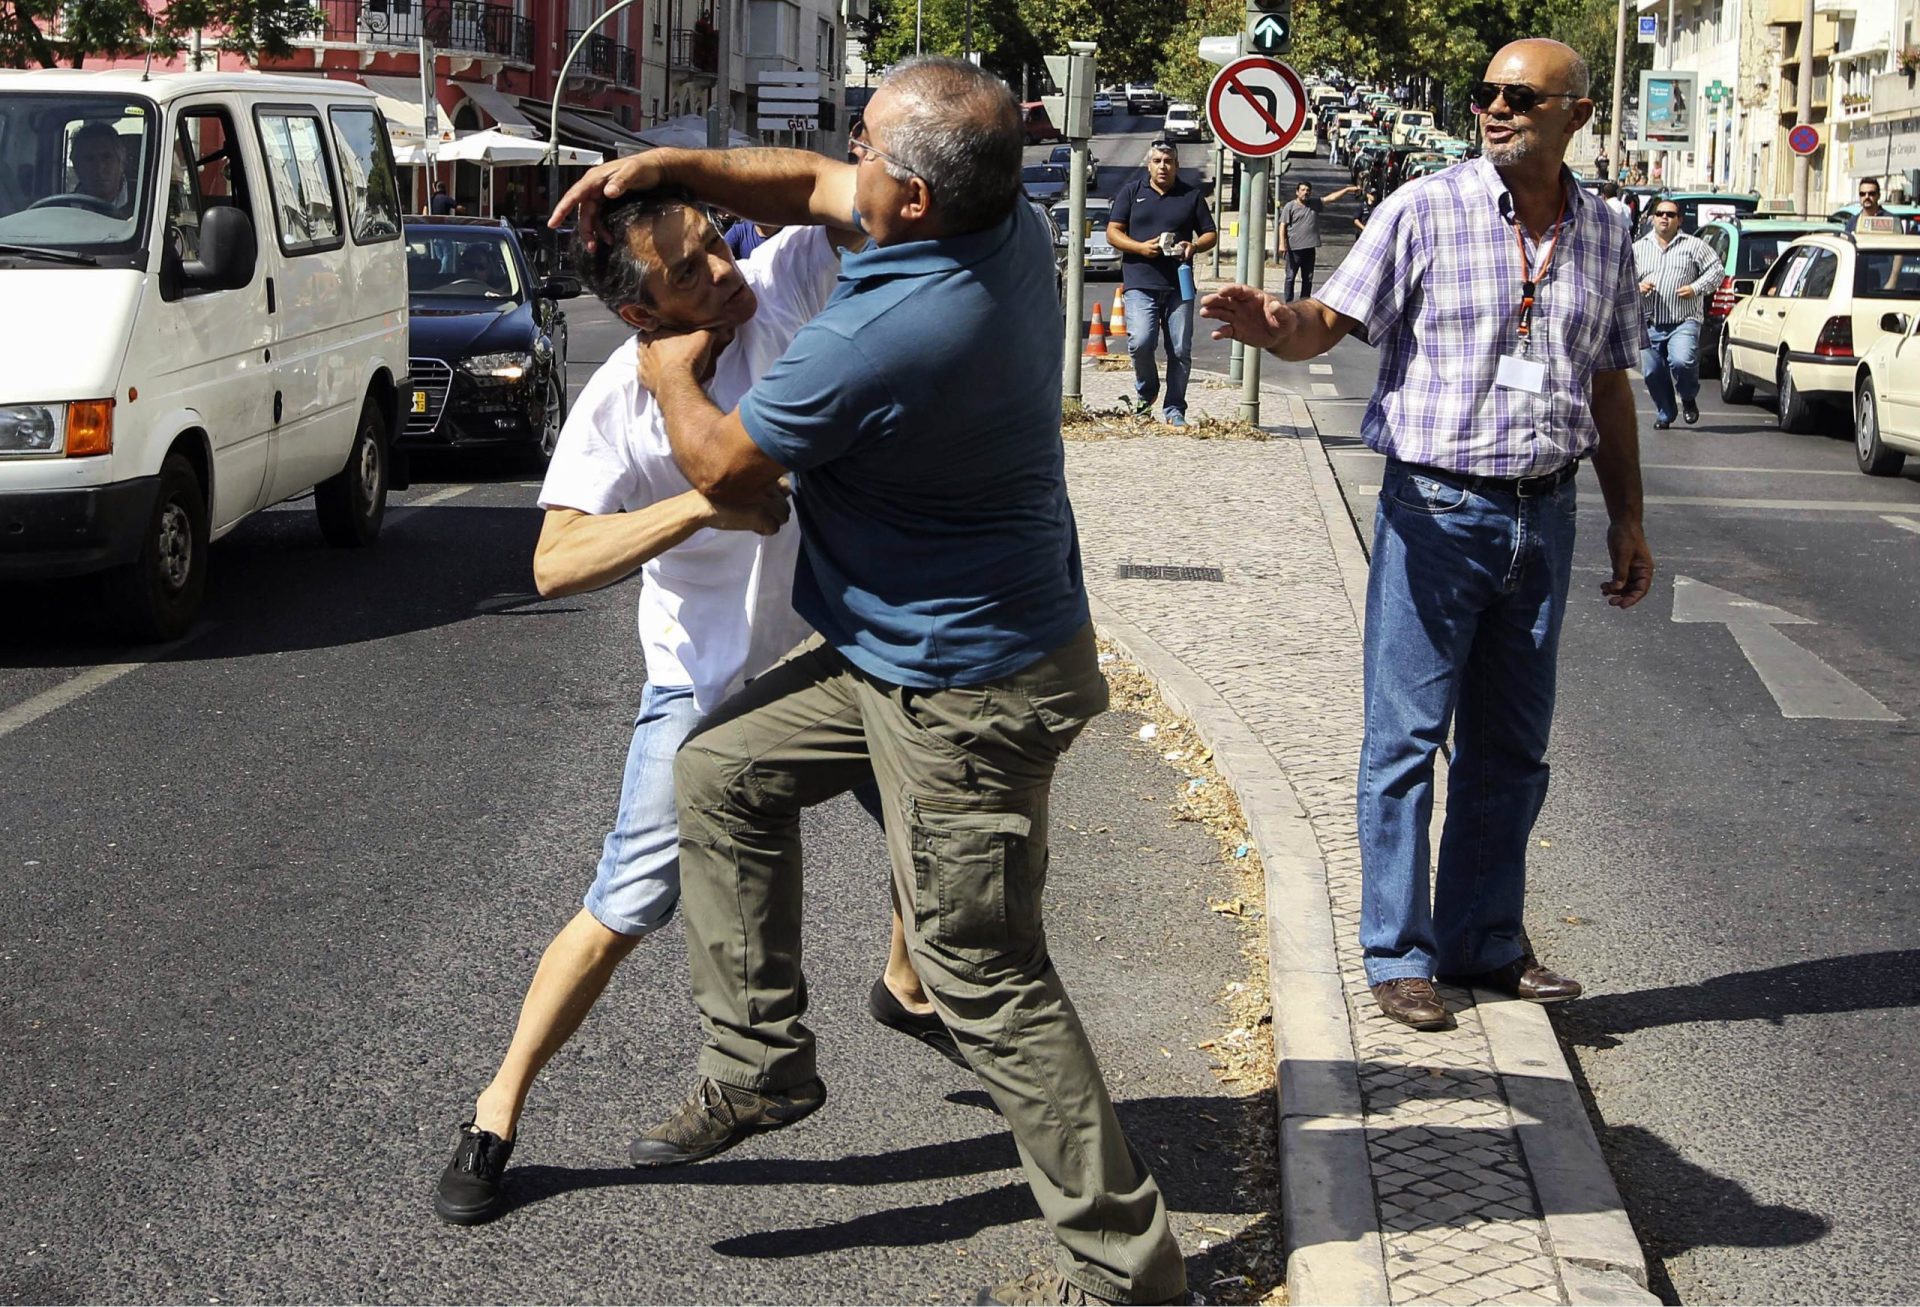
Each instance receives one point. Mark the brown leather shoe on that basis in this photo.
(1525, 978)
(1412, 1001)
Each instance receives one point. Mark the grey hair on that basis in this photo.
(1579, 78)
(1165, 147)
(958, 130)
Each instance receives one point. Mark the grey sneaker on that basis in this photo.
(715, 1117)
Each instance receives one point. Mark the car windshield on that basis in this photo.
(73, 170)
(1043, 172)
(1887, 274)
(1758, 250)
(452, 263)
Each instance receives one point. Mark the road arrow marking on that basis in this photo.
(1904, 523)
(1801, 682)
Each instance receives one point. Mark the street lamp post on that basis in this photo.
(553, 120)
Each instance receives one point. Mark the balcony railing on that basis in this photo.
(623, 65)
(694, 51)
(450, 24)
(599, 57)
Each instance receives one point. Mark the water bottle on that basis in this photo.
(1186, 281)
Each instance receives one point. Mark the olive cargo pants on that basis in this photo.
(964, 775)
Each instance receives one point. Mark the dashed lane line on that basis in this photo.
(32, 710)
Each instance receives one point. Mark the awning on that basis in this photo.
(504, 109)
(584, 131)
(400, 102)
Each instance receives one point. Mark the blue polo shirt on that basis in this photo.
(1143, 214)
(921, 413)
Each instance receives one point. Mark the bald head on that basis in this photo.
(957, 128)
(1539, 62)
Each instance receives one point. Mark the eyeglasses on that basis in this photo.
(1869, 195)
(1666, 213)
(1520, 97)
(858, 143)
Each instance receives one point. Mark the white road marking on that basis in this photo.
(1321, 369)
(1353, 453)
(32, 710)
(439, 496)
(1708, 501)
(1904, 523)
(1802, 683)
(1325, 389)
(1757, 471)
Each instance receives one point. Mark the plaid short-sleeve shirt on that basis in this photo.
(1435, 281)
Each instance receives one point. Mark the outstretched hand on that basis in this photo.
(1252, 317)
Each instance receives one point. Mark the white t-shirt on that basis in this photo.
(718, 607)
(1619, 206)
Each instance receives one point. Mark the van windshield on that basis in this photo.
(72, 171)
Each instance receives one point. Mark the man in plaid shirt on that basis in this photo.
(1505, 307)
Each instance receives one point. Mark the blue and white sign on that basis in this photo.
(1649, 31)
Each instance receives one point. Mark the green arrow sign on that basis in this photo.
(1271, 34)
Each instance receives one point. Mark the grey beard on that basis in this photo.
(1515, 151)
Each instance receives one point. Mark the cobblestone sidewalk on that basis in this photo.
(1450, 1167)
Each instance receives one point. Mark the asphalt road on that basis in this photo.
(1734, 886)
(273, 896)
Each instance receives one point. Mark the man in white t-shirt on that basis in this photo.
(716, 603)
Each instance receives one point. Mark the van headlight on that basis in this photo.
(498, 368)
(33, 428)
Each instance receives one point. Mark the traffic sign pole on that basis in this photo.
(1253, 238)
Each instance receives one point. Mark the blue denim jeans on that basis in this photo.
(1465, 598)
(1670, 363)
(638, 881)
(1151, 316)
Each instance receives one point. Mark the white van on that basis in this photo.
(205, 300)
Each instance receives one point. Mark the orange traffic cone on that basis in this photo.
(1118, 331)
(1097, 335)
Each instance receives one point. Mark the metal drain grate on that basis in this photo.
(1168, 572)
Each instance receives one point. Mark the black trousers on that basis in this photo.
(1300, 266)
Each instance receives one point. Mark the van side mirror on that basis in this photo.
(227, 251)
(560, 288)
(1894, 322)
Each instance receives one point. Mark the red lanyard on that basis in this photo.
(1530, 281)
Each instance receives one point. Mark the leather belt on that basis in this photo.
(1525, 487)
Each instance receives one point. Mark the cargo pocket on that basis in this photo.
(976, 882)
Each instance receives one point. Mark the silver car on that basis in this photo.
(1100, 257)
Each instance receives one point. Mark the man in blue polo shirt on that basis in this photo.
(1158, 223)
(919, 415)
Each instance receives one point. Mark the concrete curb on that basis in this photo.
(1593, 1242)
(1329, 1223)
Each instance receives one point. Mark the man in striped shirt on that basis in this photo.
(1677, 273)
(1503, 303)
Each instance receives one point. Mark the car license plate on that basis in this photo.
(419, 401)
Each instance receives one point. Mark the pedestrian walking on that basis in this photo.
(1504, 307)
(1676, 273)
(1610, 192)
(955, 658)
(1158, 223)
(1299, 224)
(1602, 165)
(715, 607)
(1365, 214)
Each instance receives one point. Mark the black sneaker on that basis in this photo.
(715, 1117)
(1690, 411)
(928, 1029)
(469, 1192)
(1140, 408)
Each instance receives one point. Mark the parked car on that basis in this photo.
(205, 315)
(1062, 157)
(1821, 305)
(1045, 182)
(488, 340)
(1406, 120)
(1747, 247)
(1099, 256)
(1697, 208)
(1886, 395)
(1182, 122)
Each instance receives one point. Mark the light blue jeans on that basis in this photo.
(1671, 363)
(638, 881)
(1465, 597)
(1151, 316)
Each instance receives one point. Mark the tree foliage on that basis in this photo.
(1013, 36)
(49, 32)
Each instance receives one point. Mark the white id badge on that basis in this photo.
(1517, 373)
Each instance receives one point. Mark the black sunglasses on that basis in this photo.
(1666, 213)
(1520, 97)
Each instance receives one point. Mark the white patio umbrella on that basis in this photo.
(495, 149)
(689, 132)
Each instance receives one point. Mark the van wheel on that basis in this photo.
(1734, 388)
(154, 598)
(1795, 410)
(352, 502)
(1875, 459)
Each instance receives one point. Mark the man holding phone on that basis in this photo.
(1158, 223)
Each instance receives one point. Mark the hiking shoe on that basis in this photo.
(469, 1192)
(715, 1117)
(1043, 1288)
(929, 1029)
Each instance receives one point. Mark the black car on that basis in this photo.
(488, 340)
